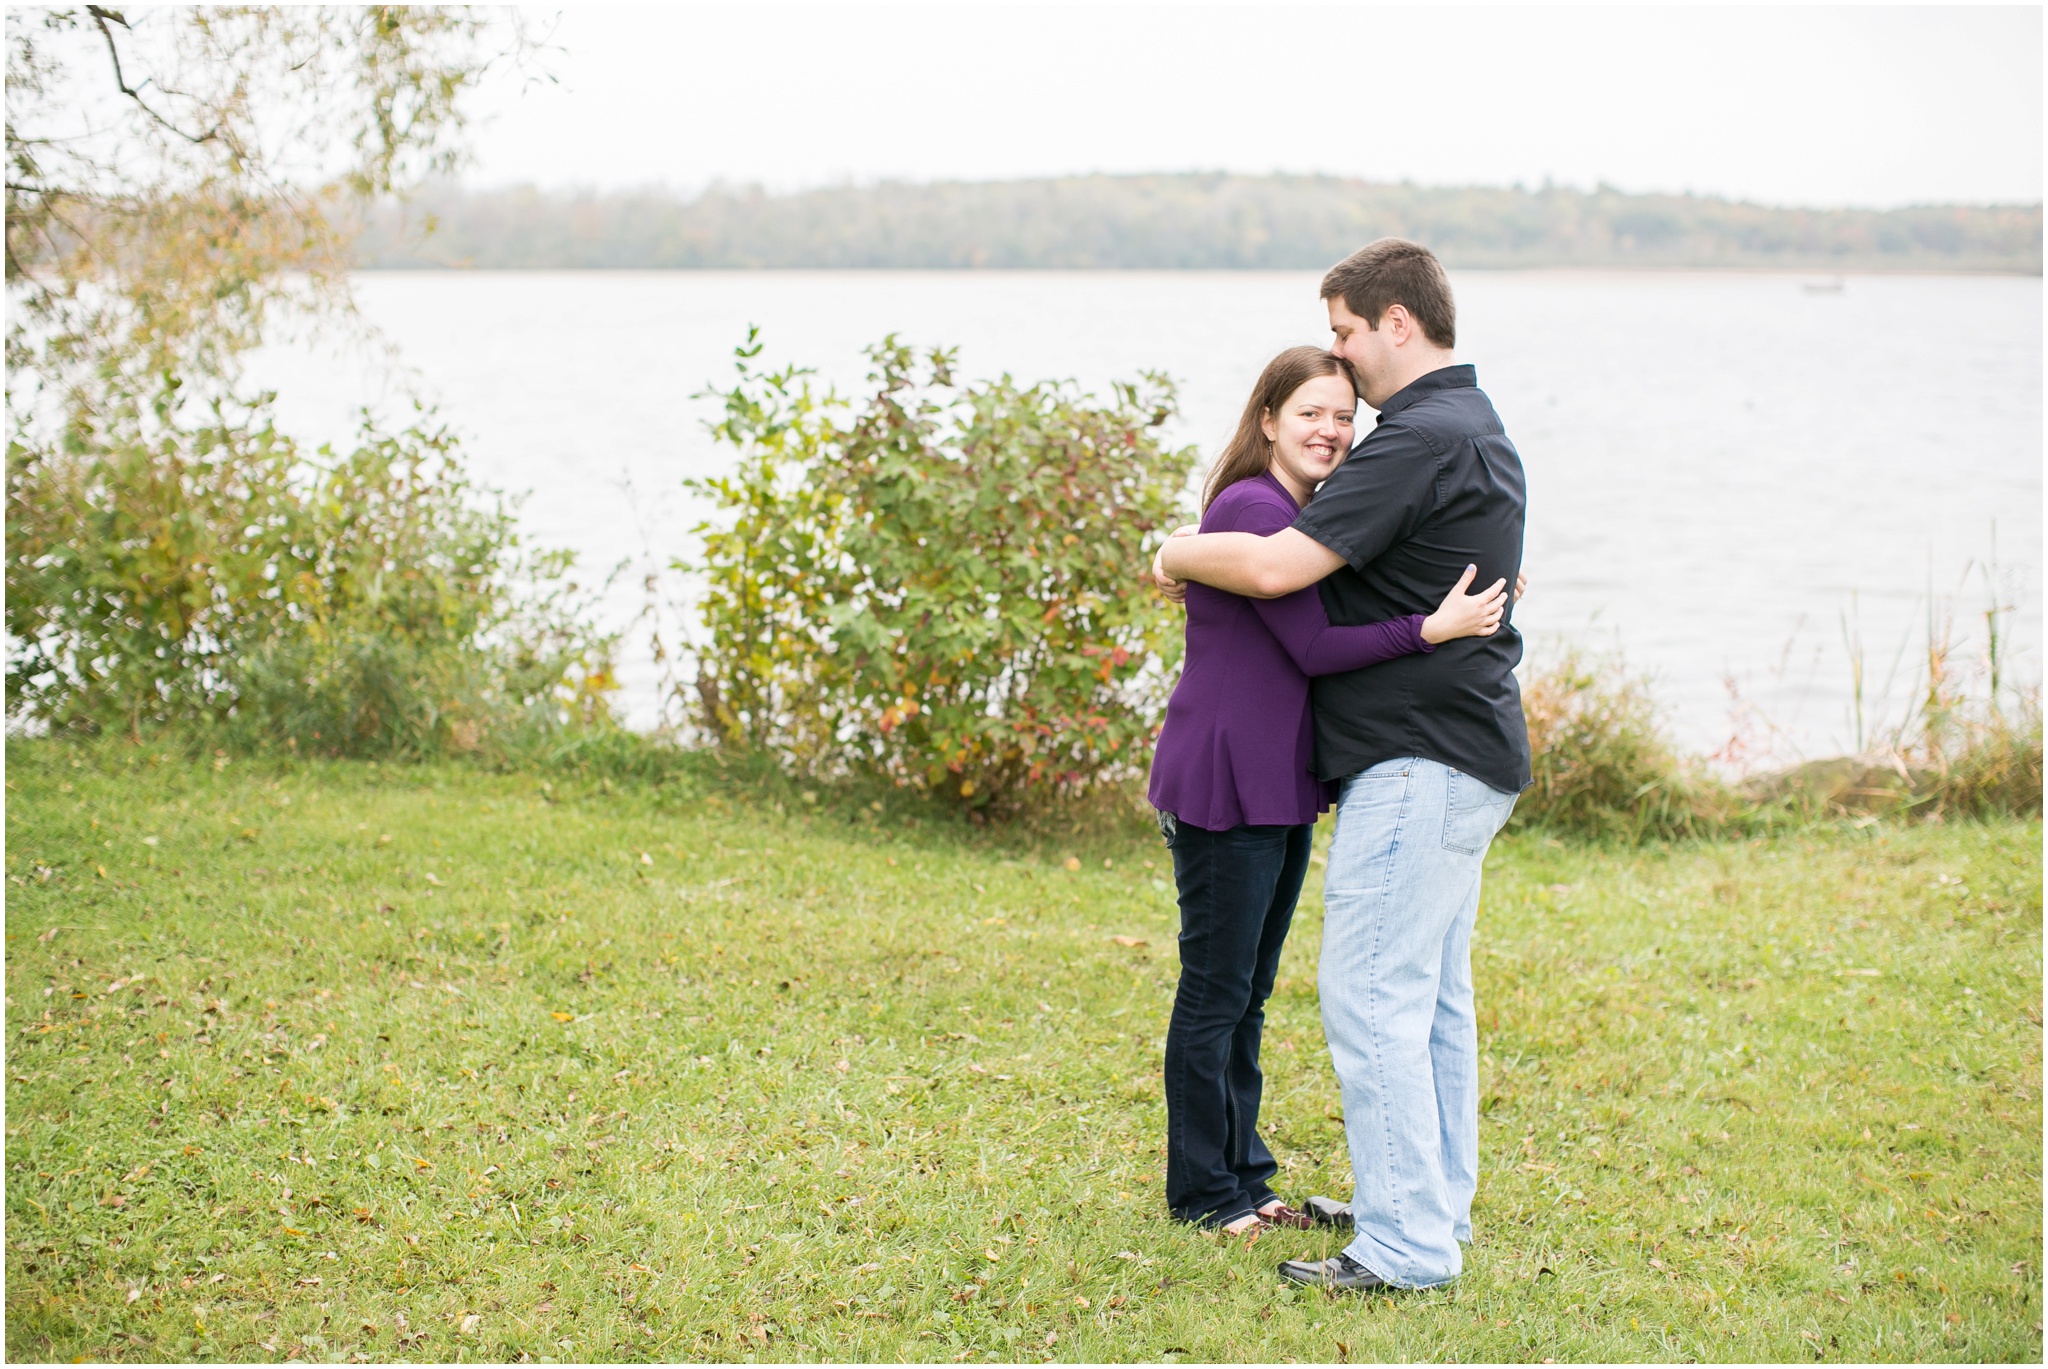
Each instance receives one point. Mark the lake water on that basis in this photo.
(1728, 473)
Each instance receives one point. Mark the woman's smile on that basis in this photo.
(1310, 433)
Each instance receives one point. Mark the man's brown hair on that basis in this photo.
(1395, 271)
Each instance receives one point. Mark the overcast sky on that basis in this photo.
(1824, 106)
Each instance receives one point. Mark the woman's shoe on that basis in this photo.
(1278, 1213)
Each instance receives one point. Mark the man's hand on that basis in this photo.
(1176, 590)
(1521, 583)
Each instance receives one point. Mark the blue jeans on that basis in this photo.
(1237, 895)
(1400, 898)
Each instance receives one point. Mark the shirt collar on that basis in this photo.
(1448, 378)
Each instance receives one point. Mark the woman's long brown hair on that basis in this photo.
(1248, 452)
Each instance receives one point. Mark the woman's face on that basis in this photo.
(1311, 432)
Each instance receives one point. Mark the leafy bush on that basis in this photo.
(945, 586)
(208, 576)
(1601, 765)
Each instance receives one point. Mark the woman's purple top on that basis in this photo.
(1238, 740)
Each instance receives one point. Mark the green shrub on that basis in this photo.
(210, 578)
(1602, 766)
(944, 586)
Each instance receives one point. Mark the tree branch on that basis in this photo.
(100, 17)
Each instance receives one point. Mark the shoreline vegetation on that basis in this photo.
(927, 590)
(1173, 222)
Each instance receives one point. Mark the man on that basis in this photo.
(1431, 748)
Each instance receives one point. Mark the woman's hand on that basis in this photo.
(1467, 615)
(1176, 590)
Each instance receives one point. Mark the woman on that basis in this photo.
(1236, 799)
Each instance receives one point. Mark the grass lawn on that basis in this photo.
(348, 1061)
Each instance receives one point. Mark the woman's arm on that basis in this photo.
(1318, 647)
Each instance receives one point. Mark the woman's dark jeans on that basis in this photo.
(1237, 893)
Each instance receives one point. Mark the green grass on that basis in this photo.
(346, 1060)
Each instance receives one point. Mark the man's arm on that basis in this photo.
(1246, 563)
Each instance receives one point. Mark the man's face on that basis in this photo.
(1369, 352)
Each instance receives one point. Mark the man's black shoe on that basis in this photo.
(1339, 1271)
(1329, 1212)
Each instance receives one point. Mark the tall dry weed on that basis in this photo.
(1601, 763)
(1971, 743)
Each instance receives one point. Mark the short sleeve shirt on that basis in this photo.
(1434, 487)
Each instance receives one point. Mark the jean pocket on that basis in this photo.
(1370, 815)
(1473, 813)
(1169, 826)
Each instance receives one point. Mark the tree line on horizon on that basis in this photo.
(1174, 222)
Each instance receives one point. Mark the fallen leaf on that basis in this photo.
(1073, 862)
(433, 879)
(990, 1256)
(646, 859)
(1128, 940)
(1081, 1303)
(563, 1016)
(842, 1067)
(468, 1323)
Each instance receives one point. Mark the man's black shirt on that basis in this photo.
(1435, 487)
